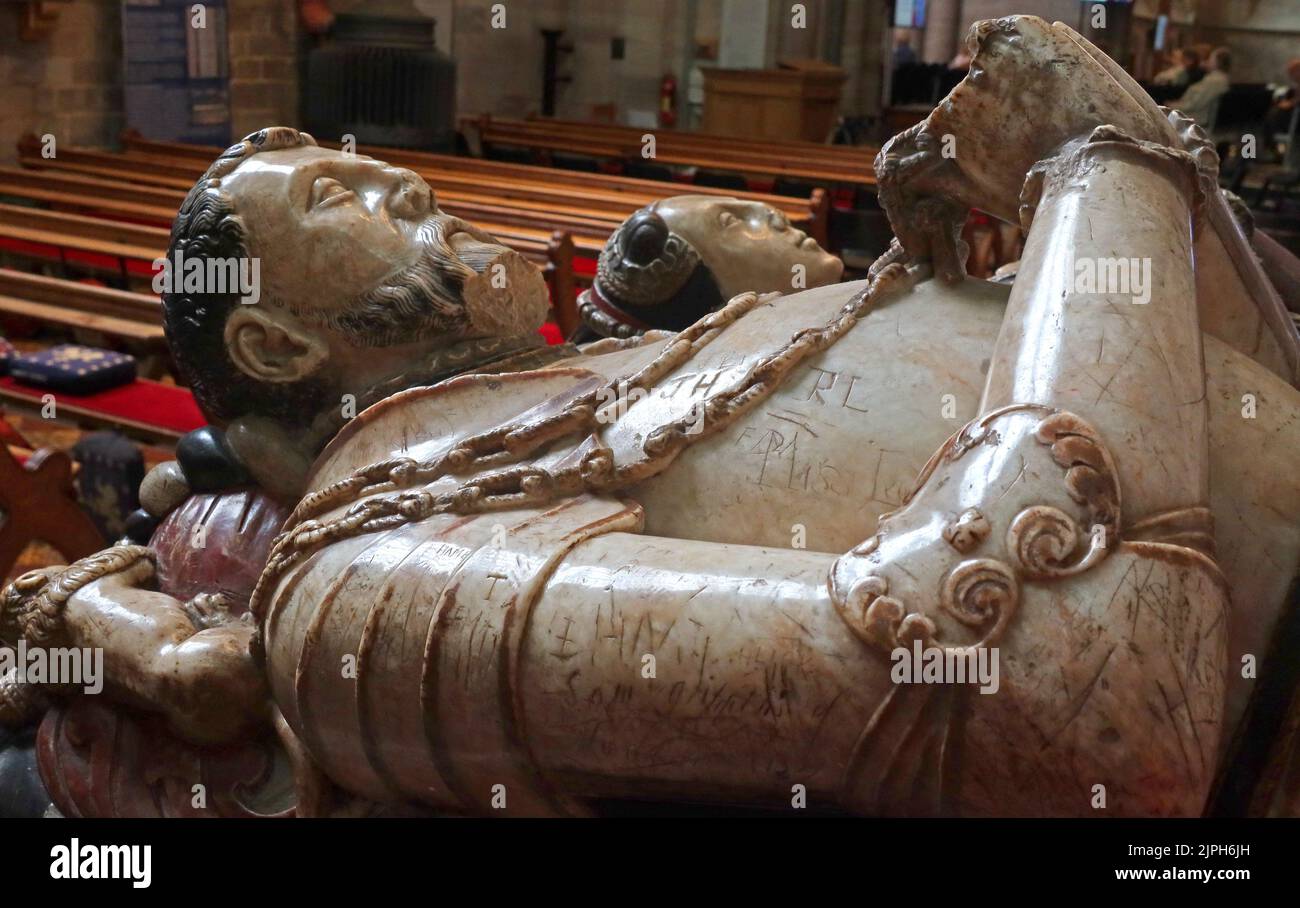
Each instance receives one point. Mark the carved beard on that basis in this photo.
(424, 299)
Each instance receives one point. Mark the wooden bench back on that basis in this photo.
(614, 195)
(552, 250)
(850, 170)
(76, 305)
(847, 155)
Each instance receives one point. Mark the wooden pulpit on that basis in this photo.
(797, 100)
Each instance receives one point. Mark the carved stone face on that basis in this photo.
(327, 224)
(748, 245)
(330, 228)
(352, 255)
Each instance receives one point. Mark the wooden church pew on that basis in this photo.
(49, 231)
(121, 200)
(133, 317)
(558, 137)
(554, 188)
(91, 243)
(808, 150)
(149, 410)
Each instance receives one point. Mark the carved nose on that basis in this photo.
(647, 235)
(412, 197)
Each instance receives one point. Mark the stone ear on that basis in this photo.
(270, 345)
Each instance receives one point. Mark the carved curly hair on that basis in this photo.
(207, 227)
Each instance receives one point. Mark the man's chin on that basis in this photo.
(508, 297)
(504, 295)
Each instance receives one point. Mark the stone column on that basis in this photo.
(263, 37)
(939, 42)
(746, 35)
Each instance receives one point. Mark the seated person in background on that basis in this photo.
(1285, 99)
(1201, 100)
(676, 260)
(903, 52)
(1185, 71)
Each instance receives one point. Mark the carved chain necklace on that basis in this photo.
(508, 484)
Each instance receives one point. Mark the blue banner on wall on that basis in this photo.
(177, 70)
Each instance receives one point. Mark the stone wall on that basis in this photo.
(67, 84)
(630, 86)
(499, 70)
(70, 82)
(263, 37)
(863, 58)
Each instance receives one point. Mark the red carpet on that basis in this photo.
(142, 401)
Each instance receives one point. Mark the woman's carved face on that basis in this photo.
(749, 245)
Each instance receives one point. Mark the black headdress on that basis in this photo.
(647, 277)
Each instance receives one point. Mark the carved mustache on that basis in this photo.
(473, 246)
(423, 299)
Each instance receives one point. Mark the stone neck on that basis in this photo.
(279, 457)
